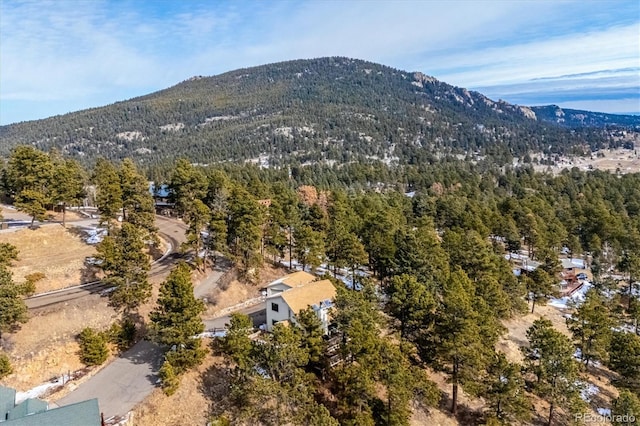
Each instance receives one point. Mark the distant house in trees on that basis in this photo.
(161, 200)
(34, 412)
(289, 295)
(571, 268)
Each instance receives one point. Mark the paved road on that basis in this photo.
(128, 380)
(122, 384)
(171, 230)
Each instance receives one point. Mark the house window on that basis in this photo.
(275, 307)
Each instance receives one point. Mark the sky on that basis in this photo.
(67, 55)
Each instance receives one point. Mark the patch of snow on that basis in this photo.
(130, 136)
(174, 127)
(589, 392)
(284, 131)
(604, 411)
(211, 334)
(42, 389)
(95, 235)
(575, 299)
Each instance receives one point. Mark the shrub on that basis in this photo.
(123, 334)
(170, 380)
(5, 365)
(93, 347)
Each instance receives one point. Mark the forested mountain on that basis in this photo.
(576, 118)
(331, 110)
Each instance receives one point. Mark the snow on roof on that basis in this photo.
(572, 263)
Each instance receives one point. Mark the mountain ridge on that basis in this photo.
(332, 110)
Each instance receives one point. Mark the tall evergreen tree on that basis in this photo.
(137, 200)
(108, 192)
(505, 392)
(13, 310)
(176, 319)
(309, 246)
(460, 349)
(549, 357)
(125, 266)
(68, 183)
(187, 185)
(591, 325)
(411, 304)
(29, 179)
(626, 409)
(624, 359)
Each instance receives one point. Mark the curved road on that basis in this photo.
(130, 378)
(171, 230)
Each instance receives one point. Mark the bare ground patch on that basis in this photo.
(159, 409)
(238, 291)
(46, 347)
(516, 335)
(56, 252)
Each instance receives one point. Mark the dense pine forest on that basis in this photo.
(433, 237)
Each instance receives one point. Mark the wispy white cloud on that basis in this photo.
(80, 54)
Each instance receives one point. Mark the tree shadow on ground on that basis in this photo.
(215, 386)
(465, 415)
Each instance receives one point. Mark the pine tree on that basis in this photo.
(244, 229)
(5, 365)
(29, 175)
(67, 184)
(176, 319)
(108, 192)
(505, 392)
(626, 409)
(591, 325)
(187, 185)
(170, 380)
(236, 343)
(540, 287)
(459, 347)
(125, 266)
(312, 335)
(411, 304)
(550, 357)
(93, 347)
(137, 201)
(197, 216)
(309, 246)
(624, 359)
(13, 310)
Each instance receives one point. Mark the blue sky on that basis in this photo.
(67, 55)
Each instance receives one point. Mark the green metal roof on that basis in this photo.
(26, 408)
(7, 401)
(85, 413)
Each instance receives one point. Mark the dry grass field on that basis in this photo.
(52, 250)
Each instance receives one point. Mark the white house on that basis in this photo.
(285, 305)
